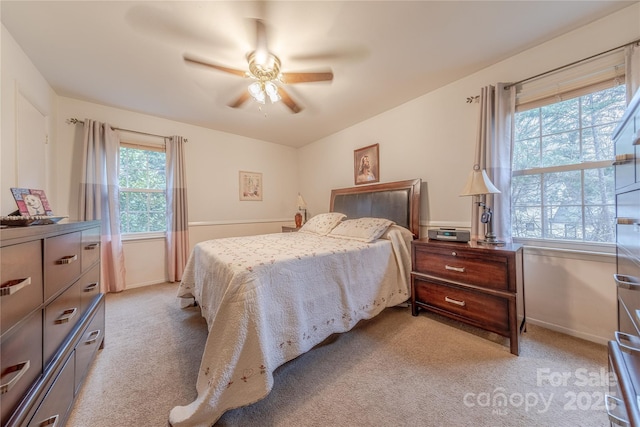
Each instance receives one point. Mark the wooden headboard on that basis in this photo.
(398, 201)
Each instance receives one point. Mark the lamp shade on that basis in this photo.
(301, 203)
(478, 183)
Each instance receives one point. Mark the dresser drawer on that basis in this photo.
(628, 222)
(90, 247)
(21, 281)
(56, 404)
(487, 311)
(458, 265)
(90, 287)
(88, 345)
(623, 397)
(21, 362)
(60, 316)
(62, 259)
(628, 290)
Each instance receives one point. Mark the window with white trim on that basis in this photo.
(562, 174)
(142, 185)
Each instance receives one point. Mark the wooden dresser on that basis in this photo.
(480, 285)
(624, 351)
(51, 319)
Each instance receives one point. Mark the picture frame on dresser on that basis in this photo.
(31, 201)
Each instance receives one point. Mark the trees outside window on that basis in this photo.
(562, 174)
(142, 182)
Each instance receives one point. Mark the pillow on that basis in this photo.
(363, 229)
(322, 224)
(397, 230)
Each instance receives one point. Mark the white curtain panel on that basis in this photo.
(99, 199)
(177, 240)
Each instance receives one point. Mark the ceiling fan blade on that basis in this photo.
(286, 99)
(291, 78)
(244, 96)
(216, 66)
(261, 37)
(344, 53)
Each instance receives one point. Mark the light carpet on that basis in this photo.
(393, 370)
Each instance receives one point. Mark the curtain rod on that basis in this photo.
(74, 121)
(572, 64)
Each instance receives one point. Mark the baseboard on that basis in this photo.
(587, 337)
(143, 284)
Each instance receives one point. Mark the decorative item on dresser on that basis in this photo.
(624, 351)
(477, 284)
(52, 318)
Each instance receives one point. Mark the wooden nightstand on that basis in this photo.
(289, 229)
(481, 285)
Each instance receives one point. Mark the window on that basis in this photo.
(562, 175)
(142, 182)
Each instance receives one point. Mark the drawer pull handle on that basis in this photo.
(16, 371)
(627, 282)
(455, 301)
(13, 286)
(66, 316)
(67, 259)
(622, 336)
(452, 268)
(608, 399)
(626, 221)
(49, 422)
(93, 337)
(91, 287)
(91, 246)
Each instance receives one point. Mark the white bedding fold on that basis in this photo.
(267, 299)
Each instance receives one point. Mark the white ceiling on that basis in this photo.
(383, 53)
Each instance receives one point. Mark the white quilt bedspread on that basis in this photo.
(269, 298)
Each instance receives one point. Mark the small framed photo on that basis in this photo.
(31, 202)
(366, 164)
(250, 186)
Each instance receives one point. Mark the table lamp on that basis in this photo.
(478, 184)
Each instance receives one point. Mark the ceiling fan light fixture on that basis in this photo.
(256, 91)
(272, 91)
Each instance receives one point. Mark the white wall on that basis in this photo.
(433, 138)
(22, 82)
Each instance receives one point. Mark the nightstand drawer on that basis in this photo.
(461, 266)
(488, 311)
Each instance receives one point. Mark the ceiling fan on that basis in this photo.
(264, 69)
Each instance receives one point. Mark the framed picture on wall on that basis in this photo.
(250, 186)
(366, 164)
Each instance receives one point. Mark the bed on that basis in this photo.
(270, 298)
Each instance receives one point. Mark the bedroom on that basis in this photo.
(418, 127)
